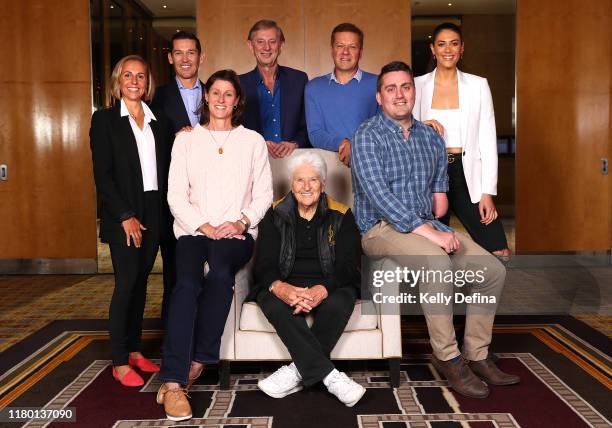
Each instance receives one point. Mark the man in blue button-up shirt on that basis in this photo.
(399, 180)
(274, 93)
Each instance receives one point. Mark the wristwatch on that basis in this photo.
(246, 224)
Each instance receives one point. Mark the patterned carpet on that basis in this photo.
(566, 382)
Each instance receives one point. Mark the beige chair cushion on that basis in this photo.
(253, 319)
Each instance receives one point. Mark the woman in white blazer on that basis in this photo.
(459, 106)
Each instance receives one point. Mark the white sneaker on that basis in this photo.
(281, 383)
(344, 388)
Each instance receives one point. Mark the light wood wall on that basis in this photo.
(564, 72)
(47, 207)
(223, 27)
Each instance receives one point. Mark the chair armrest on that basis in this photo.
(389, 315)
(244, 280)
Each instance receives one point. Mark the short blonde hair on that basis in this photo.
(114, 89)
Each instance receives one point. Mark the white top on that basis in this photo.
(451, 121)
(205, 186)
(478, 137)
(146, 146)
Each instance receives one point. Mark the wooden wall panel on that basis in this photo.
(489, 52)
(564, 67)
(307, 25)
(48, 204)
(223, 28)
(386, 26)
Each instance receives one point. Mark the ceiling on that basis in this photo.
(463, 7)
(183, 8)
(173, 8)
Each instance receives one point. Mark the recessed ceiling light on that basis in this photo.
(164, 6)
(450, 4)
(177, 30)
(429, 37)
(112, 7)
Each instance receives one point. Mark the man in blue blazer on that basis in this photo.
(179, 100)
(274, 94)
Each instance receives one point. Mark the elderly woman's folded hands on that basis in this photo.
(311, 298)
(302, 299)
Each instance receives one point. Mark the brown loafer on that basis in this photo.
(488, 371)
(175, 403)
(460, 378)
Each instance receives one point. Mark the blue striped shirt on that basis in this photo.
(394, 177)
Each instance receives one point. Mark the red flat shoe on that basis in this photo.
(131, 378)
(143, 364)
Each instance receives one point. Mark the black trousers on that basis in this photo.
(132, 267)
(491, 237)
(199, 307)
(310, 347)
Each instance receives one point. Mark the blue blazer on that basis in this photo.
(293, 118)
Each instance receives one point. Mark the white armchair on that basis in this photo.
(248, 336)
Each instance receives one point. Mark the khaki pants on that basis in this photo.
(384, 240)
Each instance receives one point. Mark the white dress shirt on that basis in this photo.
(146, 146)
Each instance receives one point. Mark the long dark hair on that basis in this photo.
(444, 26)
(228, 76)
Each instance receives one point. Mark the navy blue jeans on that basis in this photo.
(199, 307)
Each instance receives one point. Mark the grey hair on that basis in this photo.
(307, 157)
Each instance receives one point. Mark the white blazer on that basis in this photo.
(478, 136)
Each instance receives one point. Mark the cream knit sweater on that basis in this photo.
(205, 186)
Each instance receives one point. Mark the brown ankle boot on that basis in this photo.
(491, 374)
(461, 378)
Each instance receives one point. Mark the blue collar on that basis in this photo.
(393, 125)
(180, 85)
(357, 76)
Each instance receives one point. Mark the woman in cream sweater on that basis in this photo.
(219, 188)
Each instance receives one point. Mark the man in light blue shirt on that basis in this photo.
(192, 96)
(180, 99)
(338, 102)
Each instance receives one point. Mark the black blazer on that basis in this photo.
(293, 118)
(118, 174)
(168, 100)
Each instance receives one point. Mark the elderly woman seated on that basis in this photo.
(308, 254)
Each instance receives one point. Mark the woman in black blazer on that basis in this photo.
(131, 156)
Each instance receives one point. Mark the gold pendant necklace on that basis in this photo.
(219, 146)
